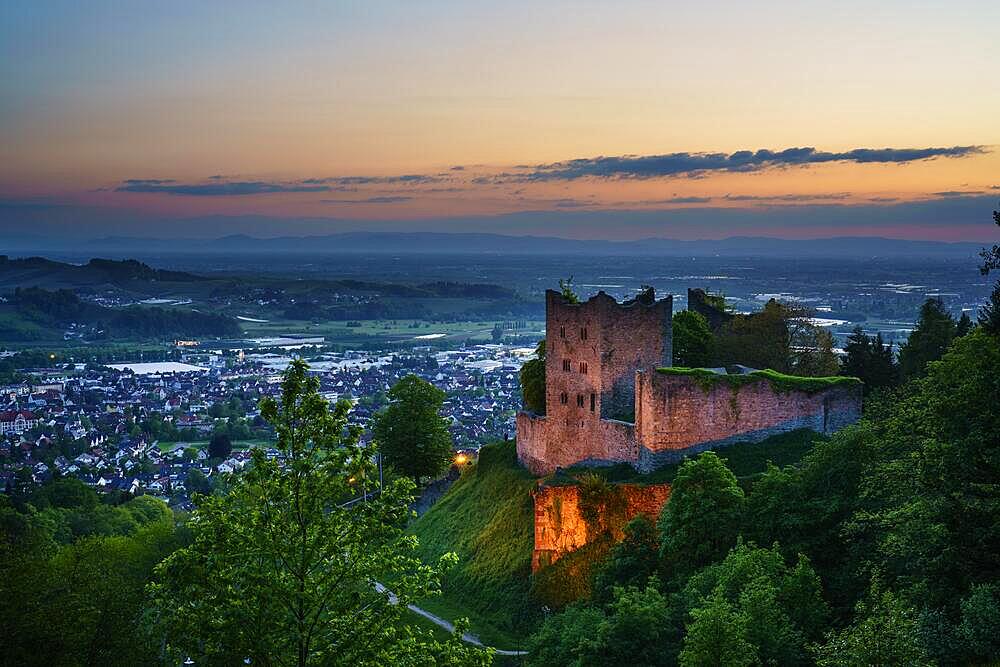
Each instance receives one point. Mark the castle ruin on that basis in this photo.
(611, 395)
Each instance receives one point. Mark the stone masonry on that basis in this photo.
(559, 524)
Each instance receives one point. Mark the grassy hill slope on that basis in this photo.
(486, 517)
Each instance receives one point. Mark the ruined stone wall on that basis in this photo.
(633, 337)
(611, 442)
(677, 415)
(561, 529)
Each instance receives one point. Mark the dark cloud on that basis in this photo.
(957, 193)
(829, 196)
(405, 179)
(677, 200)
(571, 203)
(139, 182)
(395, 199)
(216, 188)
(675, 164)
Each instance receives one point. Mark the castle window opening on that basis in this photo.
(579, 400)
(583, 367)
(583, 333)
(567, 364)
(562, 332)
(564, 398)
(593, 402)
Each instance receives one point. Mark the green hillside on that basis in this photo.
(486, 517)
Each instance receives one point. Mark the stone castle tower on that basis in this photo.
(593, 351)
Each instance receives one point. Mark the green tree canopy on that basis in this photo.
(410, 432)
(282, 569)
(701, 521)
(220, 446)
(693, 342)
(760, 340)
(532, 377)
(885, 633)
(929, 339)
(781, 607)
(632, 561)
(812, 351)
(870, 359)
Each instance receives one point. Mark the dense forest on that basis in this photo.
(62, 308)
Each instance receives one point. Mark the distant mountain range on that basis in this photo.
(470, 243)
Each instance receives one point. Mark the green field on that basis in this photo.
(201, 444)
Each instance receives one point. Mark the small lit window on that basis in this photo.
(567, 364)
(579, 400)
(583, 367)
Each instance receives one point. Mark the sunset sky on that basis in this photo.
(584, 119)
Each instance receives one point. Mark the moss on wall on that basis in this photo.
(708, 380)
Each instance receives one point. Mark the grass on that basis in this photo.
(487, 518)
(706, 379)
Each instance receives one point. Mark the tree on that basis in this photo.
(929, 339)
(989, 314)
(701, 521)
(717, 635)
(693, 342)
(197, 482)
(884, 633)
(220, 446)
(964, 325)
(635, 628)
(282, 569)
(532, 377)
(632, 561)
(566, 287)
(411, 434)
(782, 606)
(497, 333)
(870, 359)
(991, 256)
(813, 354)
(761, 340)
